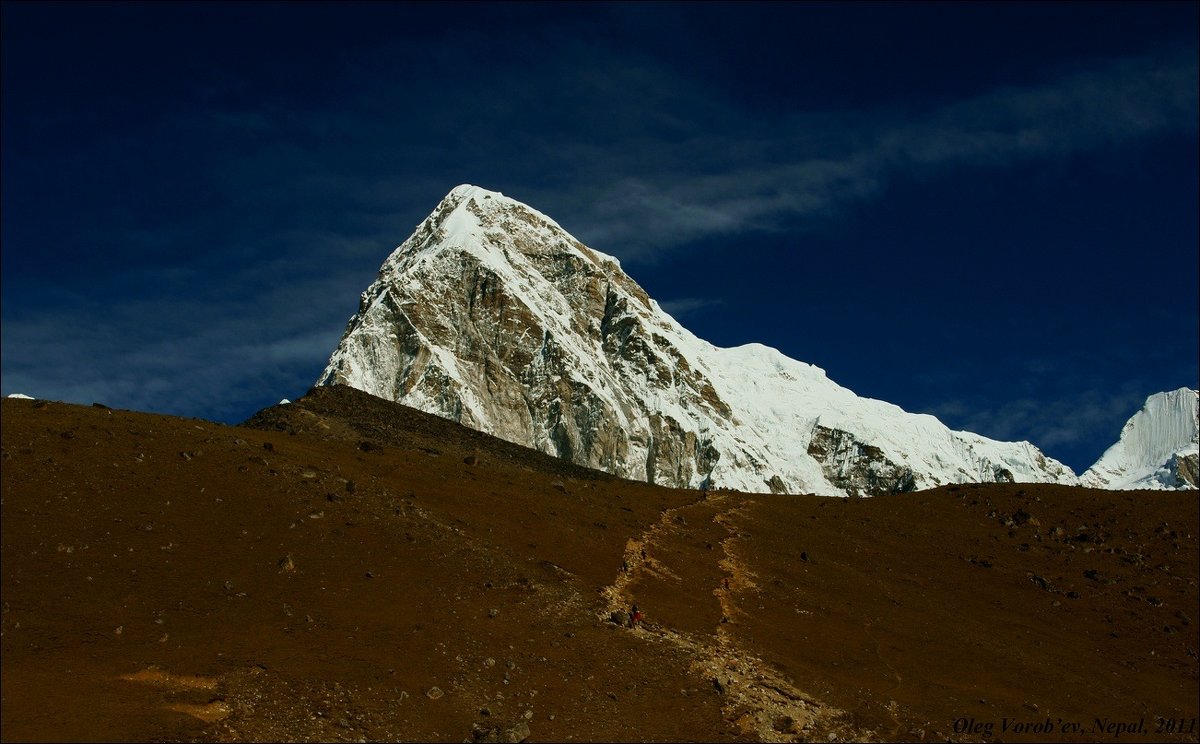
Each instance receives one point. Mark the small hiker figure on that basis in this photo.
(635, 617)
(704, 484)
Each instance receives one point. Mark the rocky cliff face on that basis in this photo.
(492, 315)
(1159, 447)
(856, 467)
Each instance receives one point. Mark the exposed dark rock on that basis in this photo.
(515, 734)
(858, 468)
(784, 725)
(1001, 475)
(1187, 470)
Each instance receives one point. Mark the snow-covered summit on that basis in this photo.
(492, 315)
(1158, 447)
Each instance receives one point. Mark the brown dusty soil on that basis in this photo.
(343, 568)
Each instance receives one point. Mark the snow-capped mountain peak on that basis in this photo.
(1159, 446)
(492, 315)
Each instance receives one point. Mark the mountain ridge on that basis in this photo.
(492, 315)
(1159, 447)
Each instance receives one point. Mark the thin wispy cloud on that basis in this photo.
(1060, 424)
(685, 306)
(783, 180)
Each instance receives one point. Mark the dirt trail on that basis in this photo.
(892, 707)
(758, 700)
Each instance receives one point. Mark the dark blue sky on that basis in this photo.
(983, 211)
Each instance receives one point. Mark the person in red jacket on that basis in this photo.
(635, 617)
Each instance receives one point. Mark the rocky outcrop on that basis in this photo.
(493, 316)
(493, 339)
(856, 467)
(1187, 470)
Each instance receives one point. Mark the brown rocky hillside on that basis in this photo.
(347, 569)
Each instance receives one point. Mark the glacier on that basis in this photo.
(1158, 448)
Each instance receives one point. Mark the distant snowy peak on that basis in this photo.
(492, 315)
(1158, 448)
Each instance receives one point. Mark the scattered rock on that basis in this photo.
(286, 563)
(471, 459)
(434, 693)
(496, 735)
(493, 612)
(268, 447)
(784, 725)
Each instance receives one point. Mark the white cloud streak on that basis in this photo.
(685, 306)
(808, 167)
